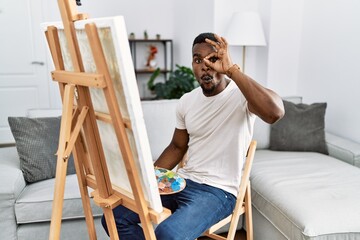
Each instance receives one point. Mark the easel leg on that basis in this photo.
(79, 156)
(110, 222)
(84, 193)
(62, 162)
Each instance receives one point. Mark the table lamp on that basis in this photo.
(245, 29)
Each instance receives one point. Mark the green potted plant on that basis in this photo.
(180, 81)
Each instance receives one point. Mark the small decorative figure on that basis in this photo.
(151, 63)
(146, 36)
(132, 36)
(158, 36)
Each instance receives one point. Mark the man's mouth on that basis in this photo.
(207, 78)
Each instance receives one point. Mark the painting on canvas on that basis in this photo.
(114, 41)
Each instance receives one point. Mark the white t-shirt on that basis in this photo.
(220, 129)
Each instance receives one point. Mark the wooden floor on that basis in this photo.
(240, 235)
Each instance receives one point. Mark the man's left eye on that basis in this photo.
(213, 59)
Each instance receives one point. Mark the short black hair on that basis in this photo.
(202, 36)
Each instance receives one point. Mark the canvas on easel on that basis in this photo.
(115, 44)
(102, 121)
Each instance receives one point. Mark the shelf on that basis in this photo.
(140, 50)
(150, 40)
(167, 49)
(151, 71)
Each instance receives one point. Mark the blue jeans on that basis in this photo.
(194, 210)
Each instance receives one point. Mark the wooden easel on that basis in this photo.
(79, 134)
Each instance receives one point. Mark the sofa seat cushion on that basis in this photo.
(307, 195)
(35, 202)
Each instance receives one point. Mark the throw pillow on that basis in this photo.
(301, 128)
(37, 141)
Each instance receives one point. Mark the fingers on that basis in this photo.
(221, 40)
(219, 59)
(211, 55)
(211, 42)
(210, 59)
(220, 43)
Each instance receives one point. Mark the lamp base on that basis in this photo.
(243, 59)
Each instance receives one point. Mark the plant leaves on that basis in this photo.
(180, 81)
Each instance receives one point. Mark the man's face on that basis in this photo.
(208, 79)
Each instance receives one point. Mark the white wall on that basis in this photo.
(284, 46)
(190, 19)
(312, 46)
(154, 16)
(329, 62)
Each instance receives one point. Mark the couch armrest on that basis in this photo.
(12, 183)
(343, 149)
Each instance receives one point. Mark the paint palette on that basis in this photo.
(168, 181)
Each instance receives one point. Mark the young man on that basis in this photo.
(215, 126)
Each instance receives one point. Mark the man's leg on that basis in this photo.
(194, 210)
(127, 221)
(199, 207)
(127, 224)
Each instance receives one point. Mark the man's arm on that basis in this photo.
(176, 150)
(261, 101)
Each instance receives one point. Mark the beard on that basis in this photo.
(210, 83)
(208, 91)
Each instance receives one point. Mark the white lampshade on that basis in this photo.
(245, 29)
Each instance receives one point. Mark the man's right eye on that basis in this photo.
(213, 59)
(197, 60)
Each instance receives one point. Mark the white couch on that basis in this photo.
(296, 195)
(305, 195)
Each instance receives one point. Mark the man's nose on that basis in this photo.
(204, 67)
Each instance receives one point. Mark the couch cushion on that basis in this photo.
(11, 184)
(344, 149)
(73, 229)
(261, 134)
(301, 129)
(262, 129)
(37, 142)
(35, 202)
(307, 195)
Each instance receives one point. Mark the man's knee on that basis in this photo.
(164, 232)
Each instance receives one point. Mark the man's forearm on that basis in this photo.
(262, 101)
(170, 157)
